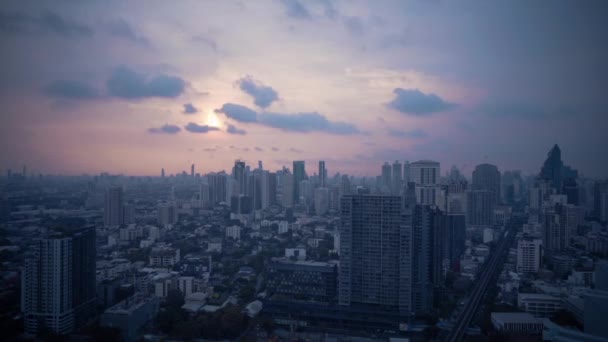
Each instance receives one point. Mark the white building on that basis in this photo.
(538, 304)
(425, 173)
(233, 232)
(529, 255)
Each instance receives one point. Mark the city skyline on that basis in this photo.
(107, 87)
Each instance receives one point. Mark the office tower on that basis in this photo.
(334, 197)
(204, 195)
(238, 173)
(269, 189)
(375, 253)
(129, 213)
(487, 177)
(480, 207)
(162, 173)
(512, 186)
(529, 254)
(254, 189)
(596, 303)
(551, 170)
(241, 204)
(425, 173)
(423, 217)
(306, 192)
(58, 280)
(600, 189)
(192, 170)
(260, 165)
(571, 190)
(167, 214)
(397, 181)
(287, 189)
(217, 187)
(299, 174)
(113, 214)
(321, 201)
(556, 237)
(345, 186)
(305, 280)
(448, 243)
(406, 172)
(387, 178)
(322, 174)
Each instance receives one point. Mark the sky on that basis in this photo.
(135, 86)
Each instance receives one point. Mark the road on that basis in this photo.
(490, 271)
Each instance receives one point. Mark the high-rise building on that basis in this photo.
(600, 191)
(113, 214)
(406, 172)
(287, 189)
(487, 177)
(321, 201)
(162, 173)
(58, 280)
(322, 174)
(299, 174)
(425, 173)
(386, 178)
(596, 303)
(192, 170)
(167, 214)
(556, 235)
(448, 239)
(375, 253)
(217, 187)
(552, 169)
(480, 207)
(423, 220)
(269, 189)
(397, 181)
(529, 255)
(239, 174)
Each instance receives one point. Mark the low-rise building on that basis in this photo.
(131, 315)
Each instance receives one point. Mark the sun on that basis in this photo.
(213, 120)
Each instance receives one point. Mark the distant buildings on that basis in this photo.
(113, 214)
(299, 174)
(425, 174)
(487, 177)
(480, 207)
(58, 282)
(529, 255)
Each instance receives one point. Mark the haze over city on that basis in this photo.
(124, 87)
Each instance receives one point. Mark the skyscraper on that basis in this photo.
(238, 173)
(553, 167)
(487, 177)
(397, 181)
(375, 253)
(425, 173)
(299, 174)
(386, 178)
(322, 174)
(480, 207)
(192, 170)
(58, 282)
(423, 218)
(113, 214)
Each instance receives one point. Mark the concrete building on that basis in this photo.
(167, 214)
(596, 303)
(539, 304)
(302, 280)
(233, 232)
(516, 322)
(58, 282)
(529, 255)
(321, 201)
(131, 315)
(480, 207)
(487, 177)
(299, 174)
(425, 174)
(113, 213)
(375, 253)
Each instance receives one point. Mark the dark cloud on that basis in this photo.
(232, 129)
(165, 129)
(203, 39)
(354, 25)
(275, 149)
(238, 112)
(415, 102)
(414, 134)
(298, 122)
(263, 95)
(120, 28)
(189, 109)
(329, 10)
(47, 21)
(295, 9)
(129, 84)
(259, 149)
(196, 128)
(71, 90)
(295, 150)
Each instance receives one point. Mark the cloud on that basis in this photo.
(354, 25)
(263, 95)
(295, 9)
(165, 129)
(120, 28)
(295, 150)
(259, 149)
(126, 83)
(47, 21)
(298, 122)
(189, 109)
(414, 134)
(275, 149)
(232, 129)
(203, 39)
(196, 128)
(238, 112)
(415, 102)
(70, 90)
